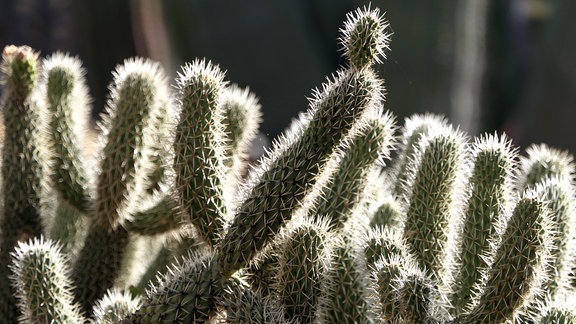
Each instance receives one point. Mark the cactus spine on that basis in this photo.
(42, 287)
(22, 166)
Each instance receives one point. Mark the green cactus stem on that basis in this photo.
(67, 102)
(519, 267)
(199, 148)
(242, 116)
(542, 161)
(364, 37)
(137, 92)
(432, 209)
(43, 289)
(22, 162)
(303, 252)
(186, 293)
(288, 173)
(366, 146)
(414, 128)
(114, 306)
(243, 305)
(345, 296)
(485, 216)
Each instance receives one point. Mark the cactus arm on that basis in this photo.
(198, 149)
(22, 166)
(43, 289)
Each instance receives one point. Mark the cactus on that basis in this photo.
(345, 295)
(22, 161)
(303, 255)
(366, 146)
(520, 264)
(242, 116)
(42, 287)
(199, 148)
(114, 306)
(318, 231)
(432, 208)
(67, 103)
(485, 215)
(542, 161)
(137, 92)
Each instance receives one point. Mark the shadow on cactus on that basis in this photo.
(167, 222)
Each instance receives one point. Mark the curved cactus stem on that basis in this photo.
(66, 98)
(366, 146)
(519, 267)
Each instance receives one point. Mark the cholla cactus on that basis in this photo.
(485, 216)
(425, 240)
(22, 161)
(43, 290)
(433, 204)
(520, 263)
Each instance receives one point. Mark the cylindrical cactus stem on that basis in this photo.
(433, 204)
(22, 161)
(414, 128)
(43, 289)
(364, 37)
(114, 306)
(242, 116)
(303, 256)
(199, 148)
(387, 212)
(416, 294)
(386, 273)
(485, 215)
(542, 161)
(558, 196)
(162, 216)
(243, 305)
(138, 90)
(260, 273)
(187, 293)
(289, 172)
(519, 267)
(367, 145)
(66, 98)
(345, 295)
(381, 242)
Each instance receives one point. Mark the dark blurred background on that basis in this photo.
(488, 65)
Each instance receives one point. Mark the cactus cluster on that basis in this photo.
(348, 218)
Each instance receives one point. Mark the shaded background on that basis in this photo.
(488, 65)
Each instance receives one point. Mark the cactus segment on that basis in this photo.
(199, 148)
(485, 216)
(43, 290)
(114, 306)
(364, 37)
